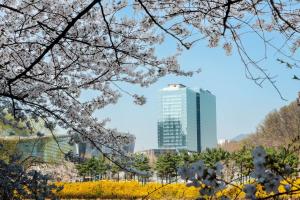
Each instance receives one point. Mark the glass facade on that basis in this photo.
(181, 112)
(172, 123)
(207, 119)
(46, 148)
(50, 150)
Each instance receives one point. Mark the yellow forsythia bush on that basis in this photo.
(234, 192)
(107, 189)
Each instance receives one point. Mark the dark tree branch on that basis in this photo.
(11, 8)
(226, 17)
(161, 27)
(48, 48)
(278, 13)
(109, 33)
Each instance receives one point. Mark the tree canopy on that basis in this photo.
(92, 167)
(53, 50)
(167, 166)
(279, 128)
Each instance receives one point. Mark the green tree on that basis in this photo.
(279, 161)
(93, 167)
(282, 160)
(186, 157)
(7, 148)
(212, 156)
(115, 170)
(167, 166)
(242, 163)
(10, 126)
(141, 163)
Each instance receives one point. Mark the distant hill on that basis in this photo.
(240, 137)
(279, 128)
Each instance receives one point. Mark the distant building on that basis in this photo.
(222, 141)
(87, 150)
(187, 119)
(52, 150)
(45, 148)
(153, 154)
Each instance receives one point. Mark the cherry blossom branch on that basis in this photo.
(48, 48)
(161, 27)
(109, 33)
(226, 17)
(278, 13)
(11, 8)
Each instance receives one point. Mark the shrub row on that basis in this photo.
(107, 189)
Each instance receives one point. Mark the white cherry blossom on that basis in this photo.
(250, 191)
(53, 51)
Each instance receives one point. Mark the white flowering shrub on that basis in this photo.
(16, 182)
(264, 174)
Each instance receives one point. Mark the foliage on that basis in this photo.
(106, 189)
(280, 158)
(241, 164)
(10, 126)
(115, 169)
(167, 166)
(7, 148)
(53, 51)
(18, 183)
(141, 163)
(236, 192)
(279, 128)
(267, 170)
(125, 190)
(212, 156)
(92, 167)
(187, 157)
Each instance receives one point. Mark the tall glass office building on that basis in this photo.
(187, 118)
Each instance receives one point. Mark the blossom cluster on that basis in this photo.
(52, 52)
(210, 179)
(198, 173)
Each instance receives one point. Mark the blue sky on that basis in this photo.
(241, 104)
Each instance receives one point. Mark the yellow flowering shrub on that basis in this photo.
(107, 189)
(235, 192)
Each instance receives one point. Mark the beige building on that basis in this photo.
(153, 154)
